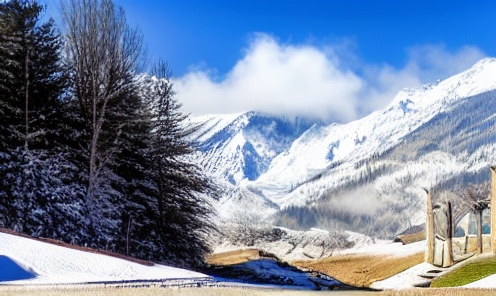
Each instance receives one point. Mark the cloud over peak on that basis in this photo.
(307, 80)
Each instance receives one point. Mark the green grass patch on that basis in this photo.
(470, 271)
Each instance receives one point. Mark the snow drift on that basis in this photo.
(29, 261)
(13, 271)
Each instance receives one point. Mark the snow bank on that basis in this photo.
(405, 279)
(269, 271)
(287, 244)
(382, 247)
(56, 265)
(13, 271)
(487, 282)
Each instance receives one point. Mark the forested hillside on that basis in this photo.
(92, 152)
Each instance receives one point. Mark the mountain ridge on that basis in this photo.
(321, 162)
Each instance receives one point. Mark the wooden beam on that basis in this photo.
(493, 209)
(478, 221)
(429, 231)
(448, 254)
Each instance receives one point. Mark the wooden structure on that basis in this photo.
(429, 231)
(448, 255)
(493, 206)
(440, 230)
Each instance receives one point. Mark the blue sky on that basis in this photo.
(338, 60)
(214, 32)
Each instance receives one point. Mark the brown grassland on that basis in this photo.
(234, 257)
(411, 238)
(440, 292)
(362, 270)
(155, 291)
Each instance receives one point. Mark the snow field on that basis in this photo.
(58, 265)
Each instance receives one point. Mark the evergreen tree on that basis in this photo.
(33, 180)
(135, 183)
(31, 78)
(182, 211)
(105, 163)
(17, 38)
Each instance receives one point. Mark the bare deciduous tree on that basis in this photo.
(474, 198)
(103, 53)
(477, 195)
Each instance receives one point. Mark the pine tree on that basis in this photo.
(135, 184)
(31, 79)
(20, 18)
(181, 217)
(32, 83)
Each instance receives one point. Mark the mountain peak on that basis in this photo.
(481, 77)
(484, 61)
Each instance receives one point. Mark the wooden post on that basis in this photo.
(129, 225)
(429, 231)
(448, 255)
(478, 220)
(493, 209)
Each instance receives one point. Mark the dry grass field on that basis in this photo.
(441, 292)
(411, 238)
(234, 257)
(58, 291)
(362, 270)
(101, 291)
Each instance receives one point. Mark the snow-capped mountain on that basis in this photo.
(242, 146)
(375, 167)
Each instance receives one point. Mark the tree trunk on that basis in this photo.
(429, 225)
(493, 209)
(478, 219)
(129, 225)
(27, 94)
(92, 180)
(449, 240)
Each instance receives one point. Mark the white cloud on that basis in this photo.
(276, 78)
(426, 64)
(360, 202)
(432, 62)
(307, 80)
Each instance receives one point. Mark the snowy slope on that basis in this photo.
(53, 264)
(377, 165)
(241, 146)
(485, 283)
(322, 147)
(238, 148)
(404, 280)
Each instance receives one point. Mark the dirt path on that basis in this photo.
(362, 270)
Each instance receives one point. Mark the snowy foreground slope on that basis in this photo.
(26, 261)
(51, 264)
(428, 137)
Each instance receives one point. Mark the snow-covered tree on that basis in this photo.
(103, 53)
(31, 83)
(182, 211)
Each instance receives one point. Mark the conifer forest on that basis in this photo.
(93, 151)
